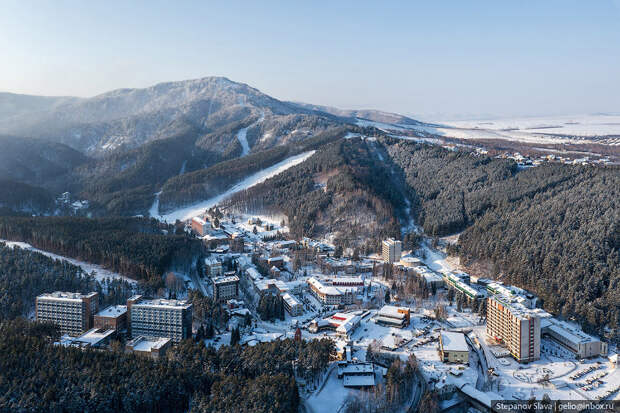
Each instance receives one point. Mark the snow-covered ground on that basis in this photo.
(582, 125)
(255, 179)
(100, 272)
(331, 397)
(545, 130)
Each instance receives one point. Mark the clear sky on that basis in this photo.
(433, 59)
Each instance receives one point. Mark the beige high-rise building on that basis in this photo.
(515, 326)
(391, 251)
(72, 312)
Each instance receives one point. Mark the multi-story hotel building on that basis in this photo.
(392, 250)
(328, 294)
(161, 318)
(72, 312)
(511, 323)
(225, 288)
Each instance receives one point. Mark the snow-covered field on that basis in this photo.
(583, 125)
(545, 130)
(196, 209)
(100, 272)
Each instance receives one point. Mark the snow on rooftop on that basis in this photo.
(290, 300)
(393, 312)
(225, 279)
(452, 341)
(148, 344)
(113, 311)
(162, 303)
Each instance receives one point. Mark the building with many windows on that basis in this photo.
(461, 284)
(292, 305)
(161, 318)
(72, 312)
(512, 324)
(329, 294)
(225, 288)
(573, 338)
(391, 250)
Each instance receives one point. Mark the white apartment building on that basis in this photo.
(391, 250)
(329, 294)
(72, 312)
(161, 318)
(292, 305)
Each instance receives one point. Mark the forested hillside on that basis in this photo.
(25, 274)
(37, 162)
(208, 182)
(21, 197)
(553, 229)
(134, 247)
(341, 189)
(563, 243)
(38, 376)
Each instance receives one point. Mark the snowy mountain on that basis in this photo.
(127, 118)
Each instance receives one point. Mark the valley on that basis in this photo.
(277, 223)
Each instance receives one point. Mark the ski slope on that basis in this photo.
(188, 212)
(242, 136)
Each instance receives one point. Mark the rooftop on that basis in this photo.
(323, 289)
(225, 279)
(290, 300)
(393, 311)
(574, 334)
(452, 341)
(89, 339)
(358, 368)
(518, 308)
(162, 303)
(113, 311)
(66, 296)
(143, 343)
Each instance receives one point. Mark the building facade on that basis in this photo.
(453, 347)
(200, 226)
(329, 294)
(113, 317)
(225, 288)
(72, 312)
(292, 305)
(515, 326)
(393, 316)
(391, 250)
(581, 344)
(161, 318)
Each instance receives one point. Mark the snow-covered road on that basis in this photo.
(101, 273)
(255, 179)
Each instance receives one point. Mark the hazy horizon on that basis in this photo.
(450, 61)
